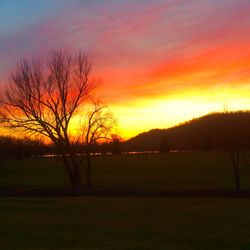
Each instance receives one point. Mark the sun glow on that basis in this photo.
(172, 110)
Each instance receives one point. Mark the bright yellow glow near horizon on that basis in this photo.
(169, 111)
(161, 64)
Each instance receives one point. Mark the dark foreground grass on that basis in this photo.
(124, 223)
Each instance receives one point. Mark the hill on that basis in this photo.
(212, 131)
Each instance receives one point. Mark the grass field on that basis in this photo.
(124, 223)
(176, 171)
(134, 223)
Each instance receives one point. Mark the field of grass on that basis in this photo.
(176, 171)
(132, 223)
(124, 223)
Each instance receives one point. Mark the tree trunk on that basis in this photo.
(235, 158)
(88, 170)
(72, 168)
(77, 174)
(75, 185)
(69, 171)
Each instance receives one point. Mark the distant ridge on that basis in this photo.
(212, 131)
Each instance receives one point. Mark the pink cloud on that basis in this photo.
(133, 46)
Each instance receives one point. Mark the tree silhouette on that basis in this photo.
(116, 146)
(43, 97)
(235, 145)
(98, 126)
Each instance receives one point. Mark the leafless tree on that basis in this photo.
(98, 126)
(235, 144)
(43, 97)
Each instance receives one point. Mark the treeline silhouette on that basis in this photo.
(213, 131)
(11, 147)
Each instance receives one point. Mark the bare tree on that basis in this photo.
(43, 97)
(235, 143)
(98, 126)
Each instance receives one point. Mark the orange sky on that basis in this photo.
(159, 63)
(188, 86)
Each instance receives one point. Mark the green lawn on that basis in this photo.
(133, 223)
(177, 171)
(124, 223)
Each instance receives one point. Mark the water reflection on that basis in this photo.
(124, 153)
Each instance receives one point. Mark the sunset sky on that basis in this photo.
(159, 63)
